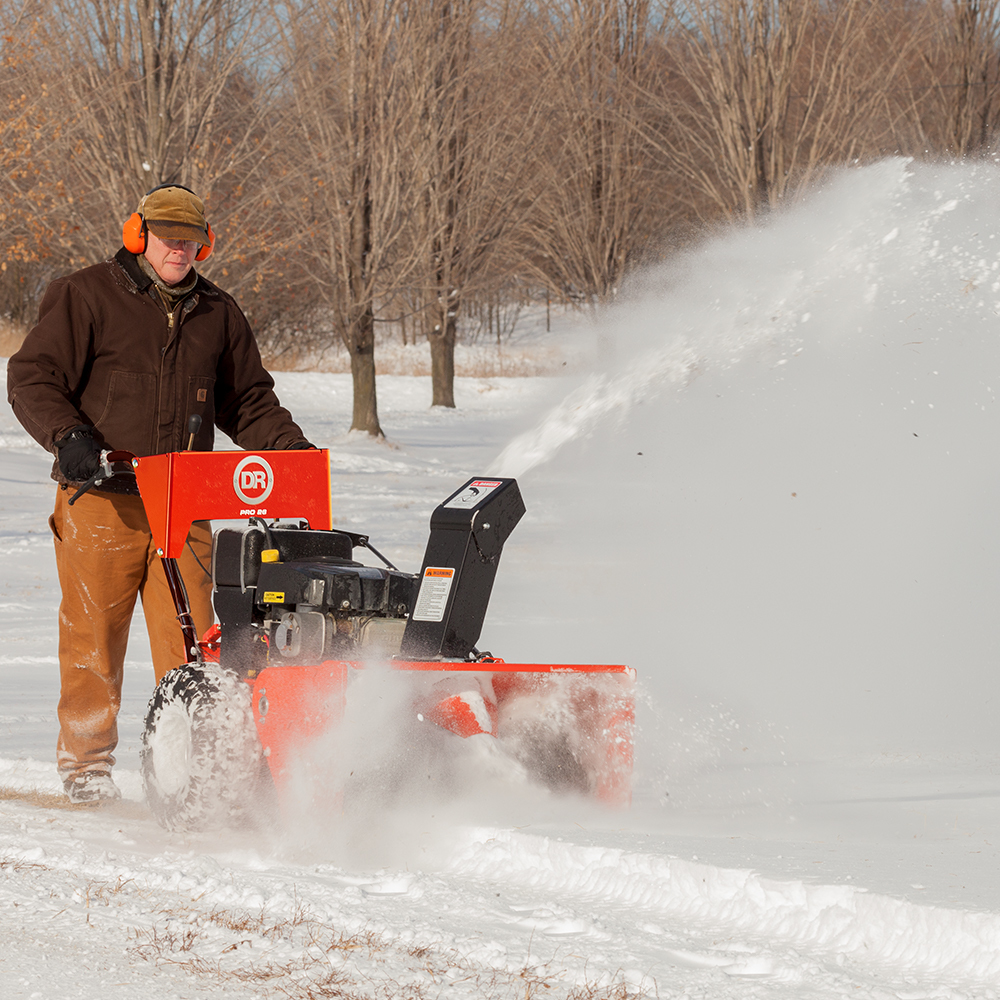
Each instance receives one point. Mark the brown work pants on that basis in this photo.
(105, 556)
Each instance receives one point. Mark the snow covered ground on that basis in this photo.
(774, 501)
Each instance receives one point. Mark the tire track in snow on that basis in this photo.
(826, 923)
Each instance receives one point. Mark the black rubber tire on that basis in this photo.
(200, 758)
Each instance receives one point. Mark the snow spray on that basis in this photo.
(387, 787)
(779, 505)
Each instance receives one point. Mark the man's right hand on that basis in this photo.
(78, 454)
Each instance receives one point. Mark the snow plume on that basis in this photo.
(883, 228)
(780, 502)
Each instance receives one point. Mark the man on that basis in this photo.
(124, 353)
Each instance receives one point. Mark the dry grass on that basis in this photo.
(43, 800)
(53, 800)
(300, 977)
(471, 361)
(302, 957)
(311, 960)
(20, 865)
(11, 337)
(619, 991)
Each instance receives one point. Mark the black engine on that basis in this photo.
(291, 594)
(299, 593)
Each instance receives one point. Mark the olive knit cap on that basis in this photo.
(174, 213)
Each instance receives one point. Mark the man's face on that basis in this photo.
(171, 259)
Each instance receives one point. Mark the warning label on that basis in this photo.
(432, 599)
(475, 492)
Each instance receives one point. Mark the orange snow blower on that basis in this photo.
(299, 620)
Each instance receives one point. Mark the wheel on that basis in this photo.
(200, 757)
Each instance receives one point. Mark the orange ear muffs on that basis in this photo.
(134, 237)
(134, 234)
(205, 252)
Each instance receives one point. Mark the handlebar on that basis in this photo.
(113, 463)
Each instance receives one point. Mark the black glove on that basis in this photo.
(78, 454)
(302, 446)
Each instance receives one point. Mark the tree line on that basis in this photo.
(411, 161)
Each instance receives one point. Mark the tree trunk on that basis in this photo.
(362, 348)
(442, 340)
(360, 332)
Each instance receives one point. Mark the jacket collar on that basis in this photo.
(129, 263)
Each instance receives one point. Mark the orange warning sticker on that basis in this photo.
(432, 599)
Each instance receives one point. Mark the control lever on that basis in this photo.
(194, 425)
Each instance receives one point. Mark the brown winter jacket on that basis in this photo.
(106, 353)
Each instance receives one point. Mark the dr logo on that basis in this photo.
(253, 480)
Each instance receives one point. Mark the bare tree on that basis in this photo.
(31, 158)
(396, 159)
(149, 91)
(471, 179)
(349, 140)
(590, 223)
(760, 95)
(963, 63)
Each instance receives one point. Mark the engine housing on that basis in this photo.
(295, 595)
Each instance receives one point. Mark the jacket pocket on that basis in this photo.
(129, 418)
(201, 401)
